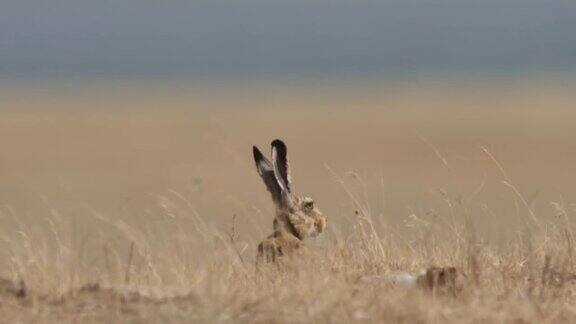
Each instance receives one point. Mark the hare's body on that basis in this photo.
(296, 217)
(277, 245)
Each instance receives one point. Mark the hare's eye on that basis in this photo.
(309, 205)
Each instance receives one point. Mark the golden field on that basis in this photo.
(140, 203)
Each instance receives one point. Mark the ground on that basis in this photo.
(140, 203)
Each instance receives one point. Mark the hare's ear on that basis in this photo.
(266, 172)
(281, 167)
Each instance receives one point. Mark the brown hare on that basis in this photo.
(435, 279)
(297, 218)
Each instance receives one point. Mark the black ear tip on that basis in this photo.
(257, 154)
(278, 143)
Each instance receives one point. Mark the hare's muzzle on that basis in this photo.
(320, 224)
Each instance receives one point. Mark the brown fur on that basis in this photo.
(439, 279)
(277, 245)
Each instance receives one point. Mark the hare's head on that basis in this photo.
(295, 214)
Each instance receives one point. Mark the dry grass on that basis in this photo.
(153, 214)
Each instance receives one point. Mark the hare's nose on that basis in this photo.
(320, 225)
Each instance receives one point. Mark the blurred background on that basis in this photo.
(420, 106)
(234, 40)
